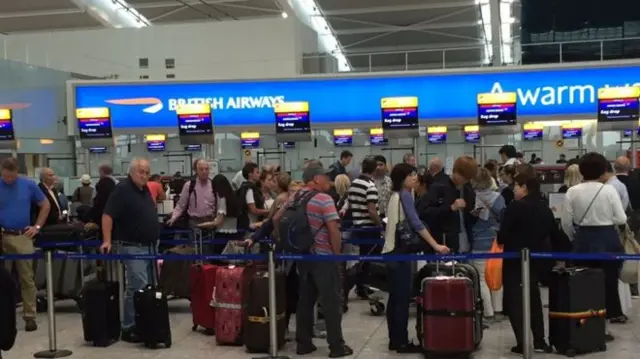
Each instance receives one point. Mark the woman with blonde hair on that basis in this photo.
(572, 177)
(342, 184)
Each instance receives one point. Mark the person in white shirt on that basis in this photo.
(610, 178)
(509, 155)
(594, 209)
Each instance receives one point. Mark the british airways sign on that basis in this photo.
(442, 96)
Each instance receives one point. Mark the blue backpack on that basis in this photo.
(296, 233)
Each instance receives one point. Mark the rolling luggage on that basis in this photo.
(8, 328)
(577, 312)
(228, 300)
(257, 320)
(203, 280)
(152, 314)
(174, 277)
(446, 316)
(101, 309)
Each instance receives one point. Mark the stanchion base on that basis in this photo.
(60, 353)
(273, 357)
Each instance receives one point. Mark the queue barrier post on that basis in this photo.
(53, 351)
(527, 345)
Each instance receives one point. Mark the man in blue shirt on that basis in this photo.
(17, 194)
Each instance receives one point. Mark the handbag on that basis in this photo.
(406, 239)
(630, 271)
(493, 268)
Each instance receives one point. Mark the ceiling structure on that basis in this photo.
(368, 35)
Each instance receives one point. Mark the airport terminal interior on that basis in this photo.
(91, 83)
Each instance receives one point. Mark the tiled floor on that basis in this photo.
(366, 334)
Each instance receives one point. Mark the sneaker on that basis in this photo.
(343, 351)
(542, 347)
(30, 325)
(304, 349)
(409, 348)
(517, 350)
(130, 336)
(619, 320)
(364, 293)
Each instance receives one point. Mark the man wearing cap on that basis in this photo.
(84, 194)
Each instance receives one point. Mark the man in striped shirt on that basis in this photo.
(363, 207)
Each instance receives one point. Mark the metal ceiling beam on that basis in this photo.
(22, 14)
(161, 4)
(448, 46)
(400, 8)
(422, 27)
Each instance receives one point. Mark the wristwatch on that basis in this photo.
(37, 227)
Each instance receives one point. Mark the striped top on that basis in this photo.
(320, 210)
(362, 192)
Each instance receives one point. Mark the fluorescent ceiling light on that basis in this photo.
(284, 15)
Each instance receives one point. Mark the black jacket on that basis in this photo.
(435, 211)
(104, 188)
(54, 213)
(243, 218)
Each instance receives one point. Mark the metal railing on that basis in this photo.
(580, 50)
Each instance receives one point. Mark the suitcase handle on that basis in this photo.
(453, 263)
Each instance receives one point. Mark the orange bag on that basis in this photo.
(493, 268)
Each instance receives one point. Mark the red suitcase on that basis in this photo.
(203, 280)
(446, 310)
(228, 297)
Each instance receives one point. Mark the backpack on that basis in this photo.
(183, 221)
(296, 233)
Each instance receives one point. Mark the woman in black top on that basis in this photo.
(527, 223)
(507, 174)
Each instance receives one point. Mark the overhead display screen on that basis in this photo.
(193, 148)
(570, 131)
(292, 118)
(342, 137)
(98, 150)
(6, 125)
(437, 135)
(250, 140)
(629, 133)
(195, 119)
(532, 132)
(497, 109)
(472, 133)
(288, 145)
(618, 104)
(399, 113)
(94, 123)
(377, 137)
(156, 143)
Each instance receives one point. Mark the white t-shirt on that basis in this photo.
(230, 224)
(606, 209)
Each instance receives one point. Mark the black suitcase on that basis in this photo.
(577, 315)
(152, 314)
(256, 329)
(101, 311)
(8, 328)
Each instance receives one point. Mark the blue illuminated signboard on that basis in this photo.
(571, 131)
(532, 132)
(443, 96)
(342, 137)
(156, 143)
(472, 134)
(617, 104)
(497, 109)
(437, 135)
(6, 125)
(94, 123)
(377, 137)
(292, 117)
(399, 113)
(250, 140)
(194, 120)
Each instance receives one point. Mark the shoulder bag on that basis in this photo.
(407, 240)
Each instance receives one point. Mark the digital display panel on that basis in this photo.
(617, 104)
(399, 113)
(6, 125)
(250, 139)
(98, 150)
(292, 117)
(195, 120)
(156, 143)
(437, 135)
(342, 137)
(94, 123)
(532, 132)
(288, 145)
(571, 131)
(497, 109)
(377, 137)
(193, 148)
(472, 134)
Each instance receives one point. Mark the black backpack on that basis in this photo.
(296, 233)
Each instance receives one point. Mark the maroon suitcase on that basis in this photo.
(230, 288)
(446, 311)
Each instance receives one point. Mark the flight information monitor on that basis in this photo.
(400, 116)
(288, 145)
(250, 140)
(342, 137)
(618, 104)
(570, 131)
(156, 143)
(6, 125)
(94, 123)
(98, 150)
(377, 137)
(195, 120)
(497, 109)
(532, 132)
(293, 122)
(472, 134)
(437, 135)
(193, 148)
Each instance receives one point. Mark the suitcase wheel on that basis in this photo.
(603, 348)
(194, 328)
(376, 307)
(151, 345)
(209, 331)
(167, 343)
(570, 353)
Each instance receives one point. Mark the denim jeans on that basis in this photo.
(137, 276)
(400, 283)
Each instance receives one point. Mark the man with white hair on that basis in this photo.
(130, 218)
(47, 186)
(435, 166)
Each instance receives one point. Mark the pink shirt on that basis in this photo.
(201, 202)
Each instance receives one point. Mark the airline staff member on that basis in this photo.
(16, 196)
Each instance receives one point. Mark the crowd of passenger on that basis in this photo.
(462, 211)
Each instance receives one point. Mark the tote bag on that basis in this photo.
(493, 268)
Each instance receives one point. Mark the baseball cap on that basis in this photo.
(313, 169)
